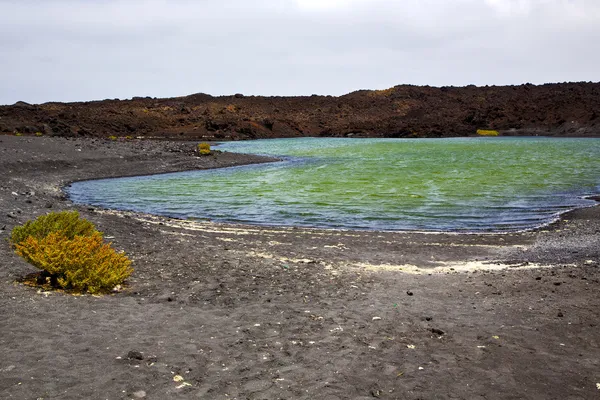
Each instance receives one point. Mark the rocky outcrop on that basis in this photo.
(566, 109)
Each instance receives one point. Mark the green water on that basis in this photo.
(466, 184)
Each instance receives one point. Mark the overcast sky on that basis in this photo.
(75, 50)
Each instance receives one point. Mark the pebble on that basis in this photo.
(135, 355)
(140, 394)
(437, 331)
(409, 293)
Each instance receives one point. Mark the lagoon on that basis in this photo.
(452, 184)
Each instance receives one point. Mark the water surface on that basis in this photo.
(464, 184)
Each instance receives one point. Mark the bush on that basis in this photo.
(487, 132)
(38, 134)
(204, 149)
(66, 222)
(71, 252)
(83, 263)
(112, 137)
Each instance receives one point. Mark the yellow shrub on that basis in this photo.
(204, 149)
(71, 251)
(112, 137)
(38, 134)
(486, 132)
(83, 263)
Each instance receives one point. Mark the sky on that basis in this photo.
(80, 50)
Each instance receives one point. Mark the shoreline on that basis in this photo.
(548, 225)
(251, 312)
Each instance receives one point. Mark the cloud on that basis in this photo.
(74, 50)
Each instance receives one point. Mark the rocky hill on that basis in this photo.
(565, 109)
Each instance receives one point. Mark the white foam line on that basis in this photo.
(452, 267)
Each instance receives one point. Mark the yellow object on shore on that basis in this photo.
(204, 149)
(487, 132)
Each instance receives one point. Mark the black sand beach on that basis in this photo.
(220, 311)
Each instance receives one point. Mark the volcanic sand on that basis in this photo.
(222, 311)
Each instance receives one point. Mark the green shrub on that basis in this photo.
(83, 263)
(204, 149)
(71, 252)
(487, 132)
(66, 222)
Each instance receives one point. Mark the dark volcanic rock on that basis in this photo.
(565, 109)
(135, 355)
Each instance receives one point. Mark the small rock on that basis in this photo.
(560, 314)
(135, 355)
(409, 293)
(48, 205)
(428, 318)
(438, 331)
(376, 318)
(140, 394)
(11, 215)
